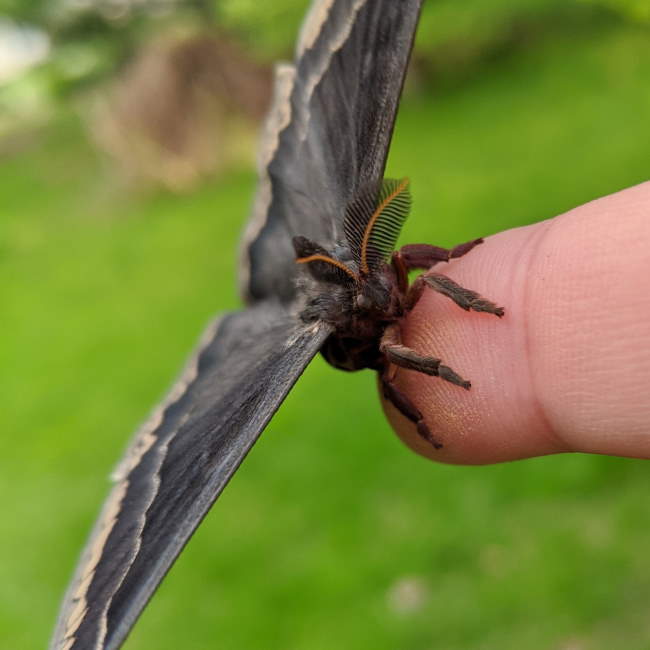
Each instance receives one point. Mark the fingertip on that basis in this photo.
(566, 366)
(491, 420)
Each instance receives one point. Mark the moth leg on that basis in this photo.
(424, 256)
(404, 357)
(464, 298)
(404, 405)
(401, 271)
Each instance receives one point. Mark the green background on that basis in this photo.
(332, 534)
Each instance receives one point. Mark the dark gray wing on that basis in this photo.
(177, 466)
(327, 134)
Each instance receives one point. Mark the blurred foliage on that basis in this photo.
(269, 29)
(92, 39)
(454, 39)
(98, 44)
(445, 24)
(331, 535)
(638, 10)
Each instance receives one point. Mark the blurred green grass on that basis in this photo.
(330, 519)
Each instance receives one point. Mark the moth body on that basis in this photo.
(358, 308)
(361, 289)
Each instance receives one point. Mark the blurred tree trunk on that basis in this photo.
(182, 110)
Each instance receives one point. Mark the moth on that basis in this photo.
(318, 272)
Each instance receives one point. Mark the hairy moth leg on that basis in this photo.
(404, 405)
(424, 256)
(401, 271)
(400, 355)
(464, 298)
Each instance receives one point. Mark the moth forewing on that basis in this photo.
(334, 140)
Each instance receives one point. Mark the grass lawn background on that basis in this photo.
(332, 534)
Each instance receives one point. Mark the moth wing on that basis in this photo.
(327, 133)
(178, 464)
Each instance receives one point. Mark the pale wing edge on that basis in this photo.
(276, 121)
(132, 546)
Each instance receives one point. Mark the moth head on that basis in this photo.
(373, 294)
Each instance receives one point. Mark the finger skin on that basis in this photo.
(568, 366)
